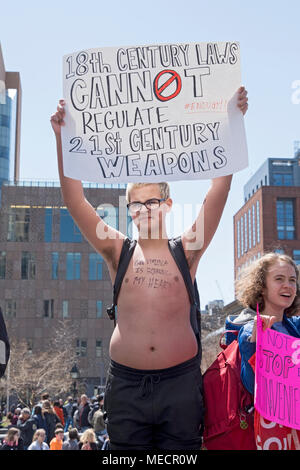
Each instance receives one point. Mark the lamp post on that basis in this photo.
(7, 387)
(75, 375)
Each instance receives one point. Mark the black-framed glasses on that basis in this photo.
(151, 205)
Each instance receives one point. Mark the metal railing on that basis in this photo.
(56, 184)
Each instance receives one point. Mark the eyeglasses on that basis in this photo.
(151, 204)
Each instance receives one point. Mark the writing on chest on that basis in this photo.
(153, 273)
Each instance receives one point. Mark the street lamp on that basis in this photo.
(74, 372)
(75, 375)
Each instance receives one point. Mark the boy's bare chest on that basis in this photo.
(153, 275)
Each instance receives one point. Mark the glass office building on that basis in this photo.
(5, 137)
(10, 124)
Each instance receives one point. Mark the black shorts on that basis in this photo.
(154, 409)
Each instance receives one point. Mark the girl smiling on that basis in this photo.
(272, 282)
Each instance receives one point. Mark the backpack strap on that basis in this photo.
(177, 251)
(225, 332)
(125, 257)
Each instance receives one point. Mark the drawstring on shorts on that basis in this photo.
(146, 385)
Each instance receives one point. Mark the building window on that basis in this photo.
(4, 162)
(95, 266)
(2, 264)
(296, 256)
(258, 221)
(5, 120)
(242, 236)
(99, 350)
(49, 308)
(18, 225)
(249, 229)
(84, 308)
(283, 179)
(65, 309)
(28, 270)
(73, 266)
(238, 240)
(253, 226)
(285, 219)
(48, 224)
(246, 233)
(10, 309)
(99, 309)
(81, 347)
(55, 258)
(69, 232)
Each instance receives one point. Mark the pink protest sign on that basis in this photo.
(277, 377)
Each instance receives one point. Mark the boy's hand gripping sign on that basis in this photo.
(277, 376)
(153, 113)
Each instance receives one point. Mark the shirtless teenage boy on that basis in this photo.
(153, 397)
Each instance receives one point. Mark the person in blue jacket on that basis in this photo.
(272, 281)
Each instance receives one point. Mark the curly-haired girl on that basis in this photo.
(272, 282)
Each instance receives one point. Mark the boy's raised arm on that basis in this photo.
(105, 239)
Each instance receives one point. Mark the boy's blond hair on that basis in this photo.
(164, 189)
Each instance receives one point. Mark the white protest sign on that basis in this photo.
(153, 113)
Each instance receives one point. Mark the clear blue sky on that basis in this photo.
(35, 35)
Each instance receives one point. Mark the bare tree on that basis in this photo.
(33, 372)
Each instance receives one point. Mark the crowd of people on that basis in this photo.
(56, 425)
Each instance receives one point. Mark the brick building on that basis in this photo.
(269, 220)
(49, 272)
